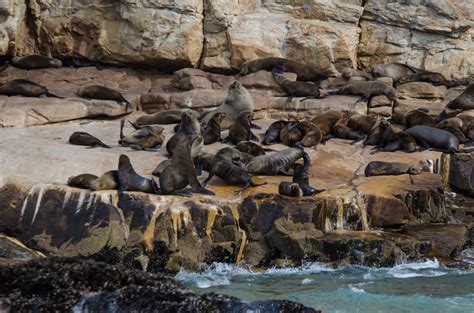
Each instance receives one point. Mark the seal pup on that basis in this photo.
(289, 189)
(378, 168)
(163, 117)
(427, 137)
(238, 99)
(180, 172)
(25, 88)
(107, 181)
(189, 127)
(362, 122)
(212, 130)
(349, 72)
(291, 134)
(32, 62)
(295, 88)
(225, 165)
(85, 139)
(326, 121)
(340, 130)
(464, 101)
(395, 70)
(302, 71)
(250, 148)
(300, 177)
(82, 181)
(312, 135)
(103, 93)
(129, 180)
(367, 89)
(148, 138)
(272, 134)
(276, 163)
(241, 129)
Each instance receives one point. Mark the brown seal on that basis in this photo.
(351, 72)
(108, 181)
(464, 101)
(326, 121)
(304, 72)
(250, 148)
(102, 93)
(129, 180)
(434, 78)
(32, 62)
(189, 127)
(455, 126)
(387, 138)
(312, 135)
(85, 139)
(291, 134)
(276, 163)
(26, 88)
(362, 122)
(272, 134)
(163, 117)
(241, 129)
(342, 131)
(289, 189)
(82, 181)
(148, 138)
(238, 99)
(180, 172)
(212, 130)
(295, 88)
(378, 168)
(395, 70)
(414, 117)
(226, 165)
(367, 89)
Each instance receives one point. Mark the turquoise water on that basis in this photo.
(411, 287)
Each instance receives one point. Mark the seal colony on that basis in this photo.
(413, 131)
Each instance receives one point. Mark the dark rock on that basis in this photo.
(460, 172)
(60, 284)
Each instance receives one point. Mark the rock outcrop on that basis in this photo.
(219, 36)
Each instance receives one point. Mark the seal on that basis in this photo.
(129, 180)
(85, 139)
(367, 89)
(363, 123)
(225, 165)
(455, 126)
(434, 78)
(276, 163)
(295, 88)
(241, 129)
(351, 72)
(304, 72)
(289, 189)
(326, 121)
(108, 181)
(238, 99)
(82, 181)
(300, 177)
(395, 70)
(32, 62)
(413, 118)
(291, 134)
(148, 138)
(189, 127)
(312, 135)
(25, 88)
(102, 93)
(212, 130)
(432, 137)
(340, 130)
(250, 148)
(387, 138)
(272, 134)
(163, 117)
(378, 168)
(464, 101)
(180, 171)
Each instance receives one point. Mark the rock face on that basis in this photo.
(98, 287)
(458, 172)
(220, 35)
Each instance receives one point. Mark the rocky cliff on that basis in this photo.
(219, 35)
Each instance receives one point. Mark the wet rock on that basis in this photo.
(95, 286)
(386, 212)
(447, 240)
(13, 251)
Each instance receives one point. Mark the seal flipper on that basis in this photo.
(122, 124)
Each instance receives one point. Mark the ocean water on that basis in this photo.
(411, 287)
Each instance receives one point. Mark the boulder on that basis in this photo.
(421, 90)
(459, 172)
